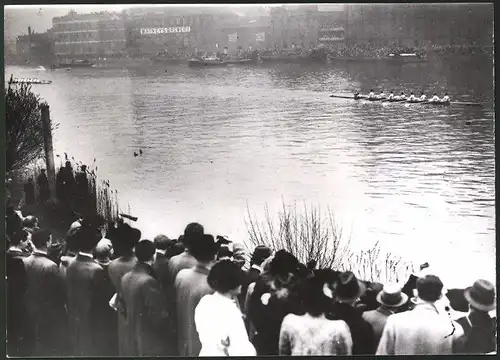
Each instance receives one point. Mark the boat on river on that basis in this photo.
(239, 61)
(283, 58)
(393, 58)
(206, 61)
(74, 64)
(168, 60)
(406, 101)
(407, 58)
(30, 81)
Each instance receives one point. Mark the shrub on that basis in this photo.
(310, 235)
(23, 127)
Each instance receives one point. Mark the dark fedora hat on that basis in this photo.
(481, 295)
(349, 287)
(391, 296)
(261, 253)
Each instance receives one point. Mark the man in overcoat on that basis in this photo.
(86, 293)
(45, 299)
(17, 319)
(162, 243)
(126, 238)
(190, 286)
(390, 299)
(185, 260)
(425, 330)
(145, 305)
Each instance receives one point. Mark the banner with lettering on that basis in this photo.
(232, 37)
(169, 30)
(260, 37)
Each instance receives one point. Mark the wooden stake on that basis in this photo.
(49, 151)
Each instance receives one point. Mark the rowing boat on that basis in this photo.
(406, 101)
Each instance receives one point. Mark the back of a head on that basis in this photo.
(260, 254)
(103, 250)
(162, 242)
(312, 294)
(40, 238)
(284, 263)
(145, 250)
(87, 237)
(30, 221)
(177, 248)
(19, 237)
(224, 252)
(224, 276)
(203, 248)
(126, 239)
(429, 288)
(192, 230)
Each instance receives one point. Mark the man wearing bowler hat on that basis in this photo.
(390, 299)
(479, 327)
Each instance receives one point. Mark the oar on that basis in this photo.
(465, 103)
(342, 97)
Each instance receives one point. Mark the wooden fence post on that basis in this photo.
(49, 150)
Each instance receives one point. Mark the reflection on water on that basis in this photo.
(420, 180)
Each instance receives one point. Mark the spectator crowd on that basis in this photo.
(109, 292)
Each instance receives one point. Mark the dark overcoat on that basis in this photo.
(160, 267)
(116, 269)
(252, 275)
(108, 326)
(17, 336)
(86, 296)
(45, 300)
(146, 312)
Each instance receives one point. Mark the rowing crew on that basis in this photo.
(28, 80)
(403, 97)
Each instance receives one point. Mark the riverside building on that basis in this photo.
(331, 25)
(245, 35)
(89, 36)
(174, 30)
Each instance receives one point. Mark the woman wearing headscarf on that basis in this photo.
(229, 336)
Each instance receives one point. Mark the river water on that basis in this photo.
(419, 180)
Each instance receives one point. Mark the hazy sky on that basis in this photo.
(17, 18)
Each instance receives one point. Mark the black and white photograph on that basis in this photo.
(301, 179)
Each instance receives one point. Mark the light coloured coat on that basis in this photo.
(377, 319)
(180, 262)
(190, 286)
(422, 331)
(230, 329)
